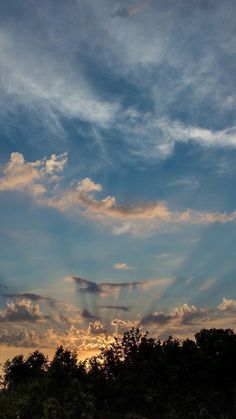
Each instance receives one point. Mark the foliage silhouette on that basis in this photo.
(137, 377)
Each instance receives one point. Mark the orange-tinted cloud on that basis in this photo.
(35, 178)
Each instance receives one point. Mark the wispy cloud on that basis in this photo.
(33, 73)
(47, 87)
(152, 137)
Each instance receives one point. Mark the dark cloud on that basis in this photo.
(183, 315)
(85, 314)
(90, 287)
(22, 311)
(135, 8)
(121, 12)
(87, 286)
(19, 338)
(29, 296)
(122, 308)
(158, 318)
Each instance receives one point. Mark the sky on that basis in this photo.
(117, 170)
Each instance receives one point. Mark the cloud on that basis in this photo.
(122, 266)
(187, 314)
(19, 175)
(228, 305)
(20, 338)
(96, 328)
(49, 86)
(87, 185)
(185, 320)
(209, 283)
(25, 176)
(142, 218)
(122, 326)
(182, 321)
(115, 307)
(136, 219)
(154, 138)
(29, 296)
(182, 315)
(92, 338)
(85, 285)
(56, 163)
(138, 52)
(188, 182)
(106, 288)
(134, 9)
(157, 317)
(22, 311)
(87, 315)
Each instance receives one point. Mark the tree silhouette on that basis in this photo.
(137, 377)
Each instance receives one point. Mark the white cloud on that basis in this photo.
(154, 137)
(87, 185)
(122, 266)
(56, 163)
(133, 46)
(48, 85)
(187, 314)
(228, 305)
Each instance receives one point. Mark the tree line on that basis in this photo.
(137, 377)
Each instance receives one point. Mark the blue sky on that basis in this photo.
(117, 169)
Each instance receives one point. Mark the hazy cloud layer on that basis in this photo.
(139, 43)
